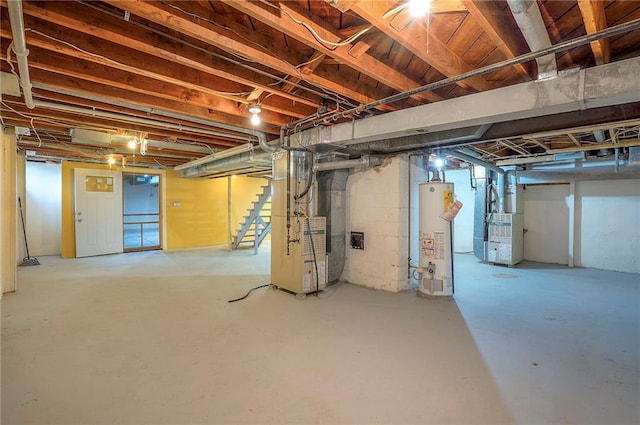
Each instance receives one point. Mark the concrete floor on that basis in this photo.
(149, 338)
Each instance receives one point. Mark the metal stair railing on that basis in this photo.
(256, 221)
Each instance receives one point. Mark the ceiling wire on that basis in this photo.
(213, 54)
(331, 45)
(142, 71)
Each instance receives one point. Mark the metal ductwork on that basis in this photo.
(365, 161)
(332, 187)
(226, 165)
(529, 20)
(20, 49)
(501, 174)
(421, 141)
(600, 172)
(616, 83)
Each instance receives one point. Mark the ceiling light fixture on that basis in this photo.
(255, 109)
(132, 144)
(419, 8)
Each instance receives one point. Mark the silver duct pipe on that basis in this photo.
(214, 156)
(502, 181)
(363, 162)
(20, 49)
(473, 160)
(243, 160)
(529, 20)
(600, 136)
(602, 172)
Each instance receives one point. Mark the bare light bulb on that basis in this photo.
(131, 144)
(255, 119)
(439, 162)
(419, 8)
(112, 160)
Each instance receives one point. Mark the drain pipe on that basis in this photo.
(502, 181)
(529, 20)
(20, 49)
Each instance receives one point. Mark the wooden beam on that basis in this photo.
(503, 31)
(363, 45)
(132, 36)
(415, 38)
(574, 140)
(144, 84)
(72, 120)
(595, 20)
(537, 142)
(286, 19)
(135, 62)
(230, 41)
(314, 61)
(92, 89)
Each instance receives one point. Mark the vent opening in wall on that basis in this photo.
(357, 240)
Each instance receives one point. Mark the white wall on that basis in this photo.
(608, 225)
(43, 208)
(546, 220)
(463, 223)
(377, 204)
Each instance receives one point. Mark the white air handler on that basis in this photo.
(437, 209)
(298, 239)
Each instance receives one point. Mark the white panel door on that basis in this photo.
(546, 219)
(98, 212)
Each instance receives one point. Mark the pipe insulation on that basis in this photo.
(20, 49)
(529, 20)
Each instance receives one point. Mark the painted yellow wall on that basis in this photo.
(196, 212)
(68, 242)
(200, 219)
(8, 211)
(244, 191)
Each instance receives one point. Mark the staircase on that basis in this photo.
(257, 225)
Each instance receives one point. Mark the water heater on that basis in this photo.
(436, 262)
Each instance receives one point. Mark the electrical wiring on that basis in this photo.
(310, 61)
(29, 117)
(313, 250)
(259, 71)
(332, 45)
(212, 22)
(13, 69)
(31, 120)
(120, 64)
(247, 294)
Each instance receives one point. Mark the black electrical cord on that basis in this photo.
(247, 294)
(315, 260)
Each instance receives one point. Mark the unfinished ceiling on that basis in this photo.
(178, 78)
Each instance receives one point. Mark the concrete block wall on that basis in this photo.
(608, 225)
(377, 204)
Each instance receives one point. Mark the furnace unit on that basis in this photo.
(505, 239)
(298, 238)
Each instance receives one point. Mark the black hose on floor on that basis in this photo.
(247, 294)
